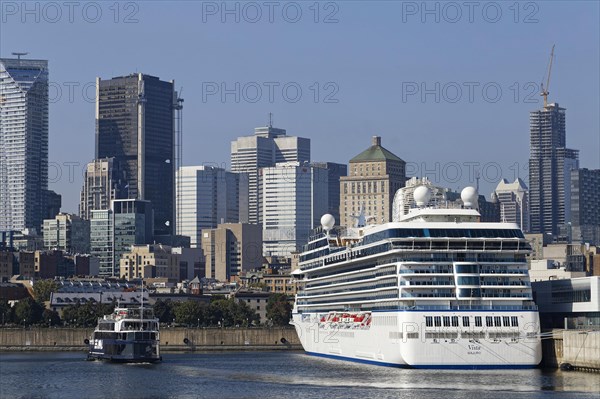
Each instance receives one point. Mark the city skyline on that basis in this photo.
(408, 184)
(495, 133)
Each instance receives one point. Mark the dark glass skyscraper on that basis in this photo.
(550, 165)
(334, 172)
(585, 205)
(135, 125)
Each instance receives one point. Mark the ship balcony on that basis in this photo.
(425, 284)
(383, 295)
(422, 295)
(349, 291)
(510, 284)
(426, 271)
(472, 245)
(487, 271)
(389, 281)
(519, 296)
(348, 277)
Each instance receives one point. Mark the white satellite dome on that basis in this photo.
(422, 195)
(327, 221)
(469, 197)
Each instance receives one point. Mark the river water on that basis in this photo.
(277, 374)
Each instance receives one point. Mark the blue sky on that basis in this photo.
(362, 68)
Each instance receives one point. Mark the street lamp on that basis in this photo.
(198, 322)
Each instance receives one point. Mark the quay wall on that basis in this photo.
(171, 339)
(577, 348)
(581, 349)
(552, 350)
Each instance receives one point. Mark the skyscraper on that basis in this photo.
(103, 182)
(101, 240)
(23, 143)
(585, 205)
(231, 248)
(68, 233)
(135, 125)
(513, 201)
(113, 231)
(374, 176)
(132, 225)
(208, 196)
(295, 198)
(550, 165)
(266, 147)
(335, 171)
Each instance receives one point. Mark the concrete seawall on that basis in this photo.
(580, 349)
(172, 339)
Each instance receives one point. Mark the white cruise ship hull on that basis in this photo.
(402, 339)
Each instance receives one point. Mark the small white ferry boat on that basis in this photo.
(128, 335)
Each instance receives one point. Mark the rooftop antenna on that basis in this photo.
(477, 177)
(270, 119)
(19, 55)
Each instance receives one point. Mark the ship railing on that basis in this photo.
(512, 283)
(503, 271)
(448, 259)
(429, 295)
(347, 290)
(448, 245)
(437, 307)
(472, 307)
(426, 271)
(343, 301)
(412, 283)
(341, 281)
(522, 296)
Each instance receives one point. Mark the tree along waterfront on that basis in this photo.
(220, 312)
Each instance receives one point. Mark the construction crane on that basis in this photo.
(545, 91)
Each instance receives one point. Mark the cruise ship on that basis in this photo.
(436, 288)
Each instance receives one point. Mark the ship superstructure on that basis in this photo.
(436, 288)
